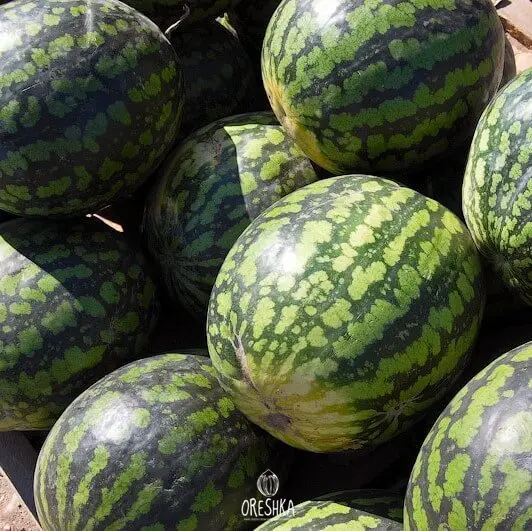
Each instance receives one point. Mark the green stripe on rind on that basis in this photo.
(434, 65)
(76, 302)
(474, 470)
(497, 190)
(90, 102)
(328, 515)
(351, 304)
(176, 452)
(380, 502)
(209, 189)
(218, 75)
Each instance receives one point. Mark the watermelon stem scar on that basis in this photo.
(276, 420)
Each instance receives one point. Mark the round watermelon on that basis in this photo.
(329, 515)
(209, 189)
(510, 68)
(381, 86)
(344, 311)
(154, 445)
(474, 470)
(497, 191)
(76, 302)
(380, 502)
(90, 100)
(218, 75)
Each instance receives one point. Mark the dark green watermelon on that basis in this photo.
(497, 193)
(76, 302)
(330, 516)
(474, 470)
(344, 312)
(218, 75)
(381, 86)
(154, 445)
(5, 216)
(208, 191)
(90, 98)
(510, 68)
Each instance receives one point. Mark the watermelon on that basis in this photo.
(154, 445)
(344, 311)
(333, 516)
(510, 68)
(474, 470)
(5, 216)
(381, 502)
(218, 75)
(381, 86)
(76, 301)
(208, 191)
(497, 192)
(90, 97)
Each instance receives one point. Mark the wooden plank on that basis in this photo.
(516, 16)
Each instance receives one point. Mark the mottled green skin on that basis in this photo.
(381, 85)
(75, 303)
(217, 72)
(208, 191)
(320, 515)
(166, 12)
(380, 502)
(154, 445)
(344, 312)
(90, 100)
(497, 192)
(474, 470)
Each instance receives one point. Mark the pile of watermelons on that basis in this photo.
(309, 303)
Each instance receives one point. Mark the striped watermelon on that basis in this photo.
(154, 445)
(332, 516)
(209, 189)
(218, 75)
(381, 86)
(380, 502)
(474, 470)
(76, 302)
(497, 192)
(90, 99)
(344, 311)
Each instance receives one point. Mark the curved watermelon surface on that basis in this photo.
(351, 305)
(154, 445)
(497, 192)
(381, 86)
(218, 75)
(474, 470)
(91, 98)
(76, 302)
(208, 190)
(319, 515)
(380, 502)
